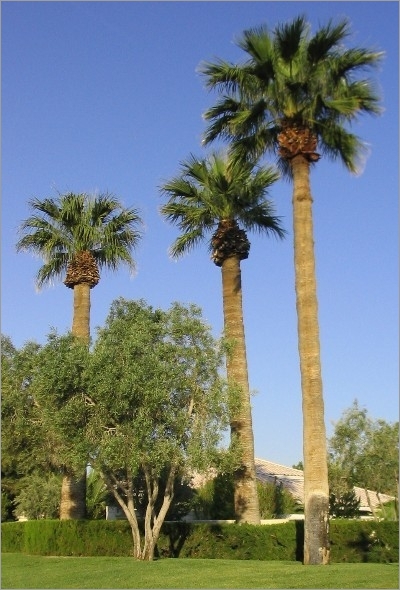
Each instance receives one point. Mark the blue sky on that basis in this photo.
(101, 96)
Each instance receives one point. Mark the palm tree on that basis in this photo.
(76, 236)
(294, 94)
(215, 195)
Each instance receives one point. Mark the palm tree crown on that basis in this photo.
(216, 194)
(308, 85)
(80, 234)
(219, 191)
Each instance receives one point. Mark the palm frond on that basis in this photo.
(291, 76)
(338, 143)
(288, 37)
(60, 228)
(258, 43)
(52, 270)
(327, 38)
(186, 242)
(220, 187)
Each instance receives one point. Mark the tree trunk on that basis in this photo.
(245, 485)
(73, 496)
(73, 490)
(81, 317)
(316, 489)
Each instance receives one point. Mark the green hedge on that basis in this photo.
(229, 541)
(67, 537)
(364, 541)
(351, 540)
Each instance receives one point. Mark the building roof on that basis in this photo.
(293, 481)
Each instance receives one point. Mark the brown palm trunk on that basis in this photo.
(73, 488)
(81, 317)
(316, 489)
(245, 486)
(73, 496)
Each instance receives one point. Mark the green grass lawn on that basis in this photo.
(27, 571)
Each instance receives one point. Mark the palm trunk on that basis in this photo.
(316, 489)
(245, 485)
(81, 317)
(73, 496)
(73, 489)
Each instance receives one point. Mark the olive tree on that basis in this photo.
(159, 409)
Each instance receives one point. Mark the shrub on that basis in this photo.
(275, 500)
(68, 537)
(351, 540)
(344, 505)
(364, 541)
(228, 541)
(214, 500)
(39, 496)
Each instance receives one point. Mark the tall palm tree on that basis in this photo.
(295, 94)
(77, 235)
(215, 195)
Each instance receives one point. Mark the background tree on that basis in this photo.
(220, 195)
(20, 438)
(77, 235)
(344, 505)
(39, 496)
(364, 452)
(59, 404)
(158, 410)
(297, 94)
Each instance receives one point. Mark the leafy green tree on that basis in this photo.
(159, 408)
(39, 496)
(59, 406)
(344, 505)
(77, 235)
(213, 199)
(299, 465)
(182, 497)
(364, 452)
(298, 94)
(6, 506)
(20, 437)
(214, 500)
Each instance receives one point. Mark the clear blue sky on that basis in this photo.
(105, 96)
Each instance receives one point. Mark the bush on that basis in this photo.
(351, 540)
(344, 505)
(12, 537)
(364, 541)
(39, 496)
(229, 541)
(68, 537)
(214, 500)
(275, 501)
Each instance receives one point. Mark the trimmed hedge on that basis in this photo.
(68, 537)
(364, 541)
(351, 540)
(230, 541)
